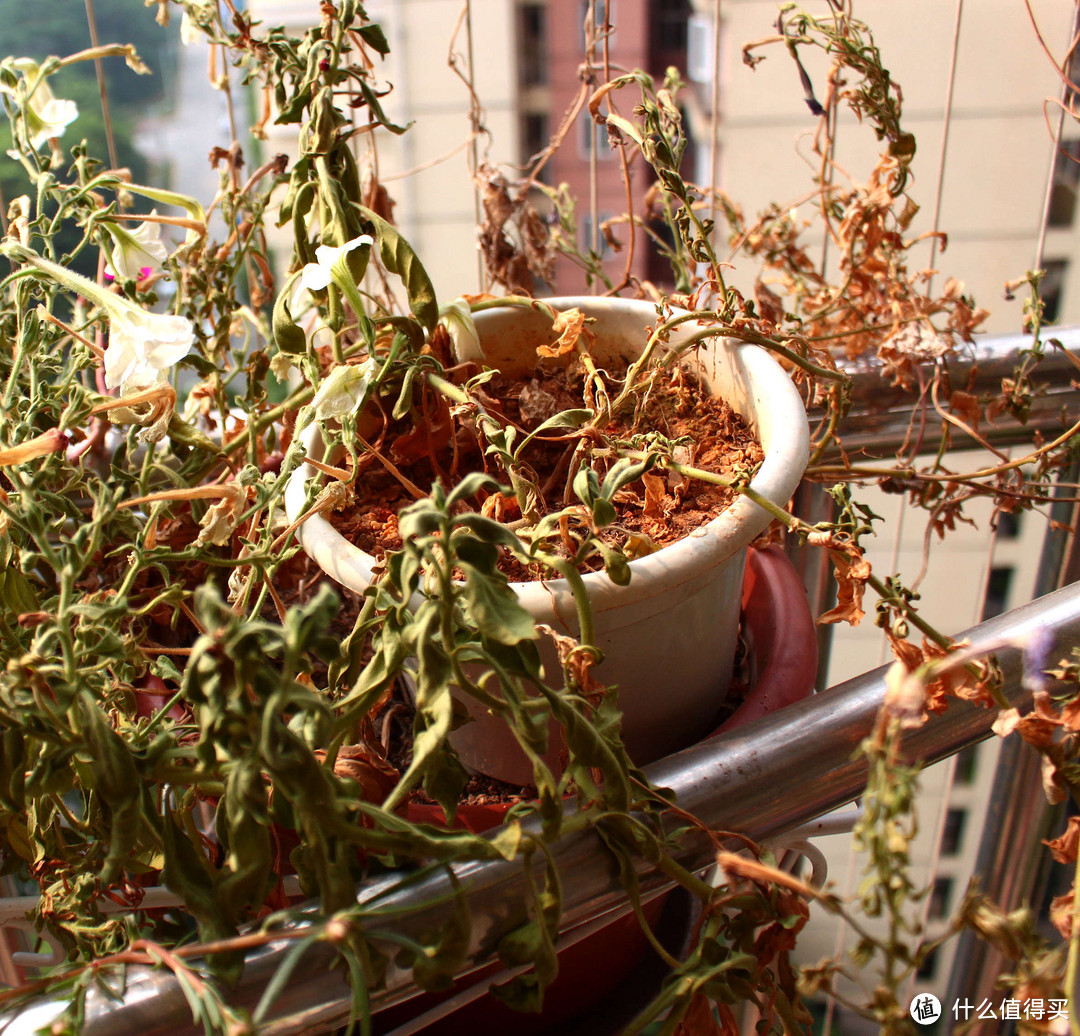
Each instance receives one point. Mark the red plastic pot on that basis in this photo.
(781, 645)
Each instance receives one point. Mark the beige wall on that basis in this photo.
(435, 206)
(999, 149)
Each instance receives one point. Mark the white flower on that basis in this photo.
(46, 116)
(135, 250)
(143, 346)
(189, 30)
(317, 275)
(343, 390)
(457, 318)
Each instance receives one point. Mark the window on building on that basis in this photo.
(952, 834)
(534, 138)
(967, 762)
(1065, 184)
(532, 44)
(586, 231)
(701, 54)
(940, 899)
(669, 20)
(1052, 287)
(599, 134)
(658, 266)
(928, 969)
(998, 585)
(1008, 524)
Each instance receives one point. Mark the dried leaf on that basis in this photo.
(905, 696)
(569, 325)
(367, 768)
(852, 571)
(966, 407)
(536, 403)
(1062, 914)
(701, 1020)
(1064, 848)
(219, 522)
(657, 500)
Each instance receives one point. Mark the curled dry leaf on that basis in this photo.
(942, 678)
(514, 240)
(1062, 914)
(1006, 722)
(851, 570)
(905, 696)
(1064, 848)
(1041, 727)
(657, 500)
(966, 407)
(701, 1020)
(537, 404)
(577, 662)
(569, 325)
(219, 522)
(367, 767)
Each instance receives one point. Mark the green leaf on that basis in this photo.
(586, 485)
(444, 780)
(615, 565)
(564, 419)
(470, 485)
(623, 472)
(494, 608)
(116, 782)
(419, 519)
(287, 334)
(489, 530)
(200, 364)
(373, 36)
(478, 553)
(398, 257)
(603, 512)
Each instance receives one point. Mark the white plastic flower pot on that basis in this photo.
(668, 638)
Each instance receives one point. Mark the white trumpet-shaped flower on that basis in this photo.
(189, 30)
(135, 251)
(457, 318)
(46, 115)
(142, 345)
(191, 23)
(343, 390)
(317, 275)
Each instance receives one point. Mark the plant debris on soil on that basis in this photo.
(657, 510)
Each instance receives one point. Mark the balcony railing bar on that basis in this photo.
(761, 780)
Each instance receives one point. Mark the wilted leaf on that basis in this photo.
(494, 608)
(569, 325)
(1064, 847)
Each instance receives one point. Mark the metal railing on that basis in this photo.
(760, 780)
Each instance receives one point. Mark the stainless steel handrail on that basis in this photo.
(760, 780)
(880, 420)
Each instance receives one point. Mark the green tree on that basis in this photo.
(60, 27)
